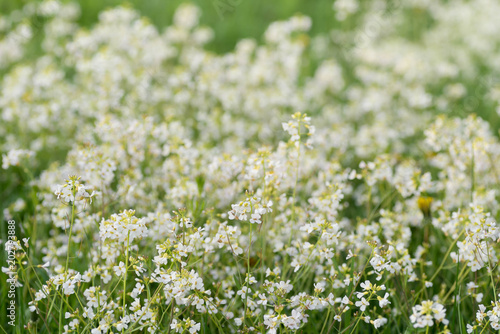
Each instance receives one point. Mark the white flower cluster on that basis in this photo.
(293, 128)
(249, 214)
(73, 191)
(425, 314)
(486, 317)
(14, 157)
(188, 324)
(123, 227)
(252, 206)
(480, 229)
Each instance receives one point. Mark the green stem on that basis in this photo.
(70, 232)
(285, 268)
(248, 275)
(444, 260)
(125, 277)
(326, 320)
(61, 311)
(491, 275)
(485, 326)
(357, 322)
(472, 174)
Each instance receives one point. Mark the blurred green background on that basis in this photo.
(230, 19)
(233, 20)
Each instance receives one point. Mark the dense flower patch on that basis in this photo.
(336, 183)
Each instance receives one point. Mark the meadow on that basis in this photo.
(236, 166)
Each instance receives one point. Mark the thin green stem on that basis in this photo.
(472, 185)
(70, 231)
(444, 260)
(67, 256)
(485, 326)
(248, 275)
(491, 274)
(125, 276)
